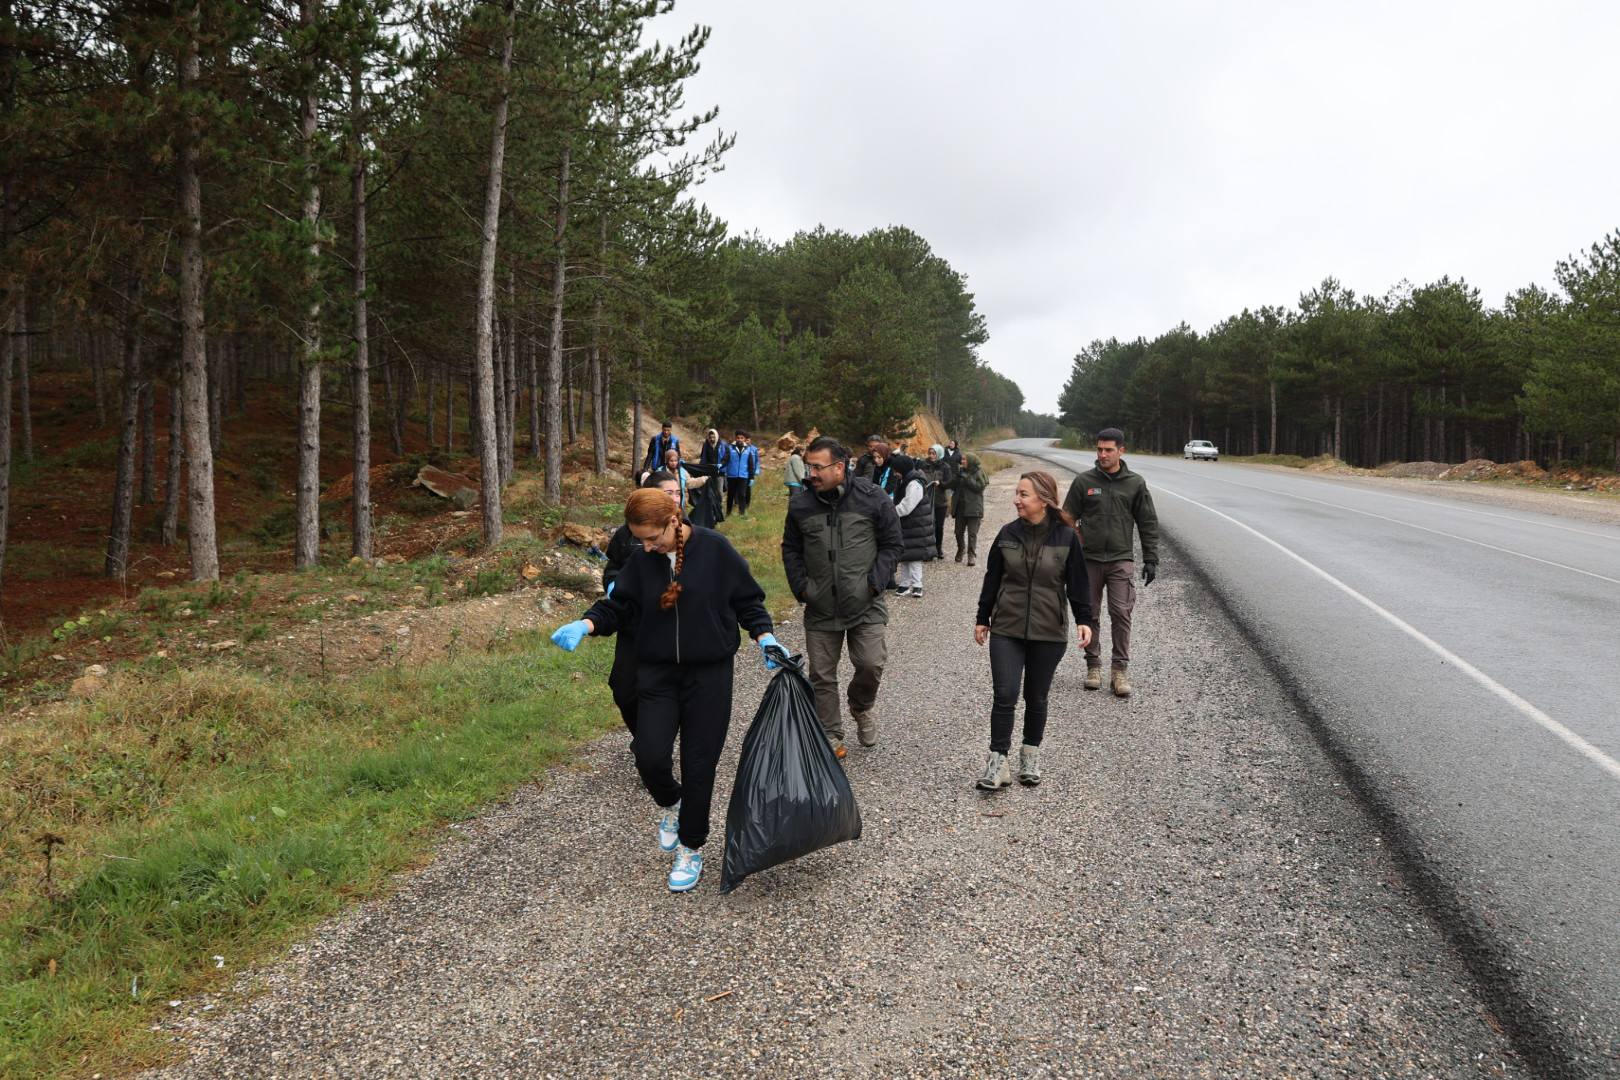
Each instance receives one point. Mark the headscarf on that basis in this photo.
(939, 452)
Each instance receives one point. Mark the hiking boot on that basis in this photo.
(1120, 684)
(996, 773)
(958, 554)
(669, 828)
(688, 868)
(970, 560)
(866, 728)
(1029, 765)
(1093, 677)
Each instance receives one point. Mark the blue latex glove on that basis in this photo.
(612, 583)
(766, 643)
(568, 637)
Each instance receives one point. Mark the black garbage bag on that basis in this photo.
(791, 795)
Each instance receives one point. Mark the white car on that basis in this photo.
(1200, 450)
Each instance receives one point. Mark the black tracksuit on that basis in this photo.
(684, 658)
(622, 679)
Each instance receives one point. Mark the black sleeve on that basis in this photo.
(620, 545)
(1078, 582)
(747, 596)
(994, 567)
(793, 556)
(611, 613)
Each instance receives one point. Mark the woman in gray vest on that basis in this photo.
(1035, 590)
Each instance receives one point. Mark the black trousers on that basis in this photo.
(1015, 661)
(622, 679)
(692, 701)
(939, 531)
(737, 494)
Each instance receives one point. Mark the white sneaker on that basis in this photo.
(669, 828)
(688, 868)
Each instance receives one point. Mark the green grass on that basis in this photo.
(759, 538)
(210, 812)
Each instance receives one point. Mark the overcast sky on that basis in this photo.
(1110, 169)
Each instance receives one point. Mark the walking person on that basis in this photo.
(840, 544)
(968, 508)
(1110, 502)
(739, 474)
(953, 454)
(684, 592)
(793, 471)
(621, 545)
(916, 512)
(659, 445)
(1035, 588)
(942, 479)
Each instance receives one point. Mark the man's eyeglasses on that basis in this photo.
(819, 469)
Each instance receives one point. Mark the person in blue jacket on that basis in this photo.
(659, 445)
(742, 466)
(685, 592)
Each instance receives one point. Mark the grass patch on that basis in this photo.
(758, 537)
(212, 812)
(993, 463)
(36, 560)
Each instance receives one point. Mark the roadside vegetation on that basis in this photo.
(188, 820)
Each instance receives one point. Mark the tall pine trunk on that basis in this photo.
(148, 441)
(554, 355)
(488, 451)
(1273, 442)
(200, 532)
(307, 544)
(534, 388)
(129, 402)
(360, 515)
(25, 402)
(169, 526)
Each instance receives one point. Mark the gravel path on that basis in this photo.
(1190, 893)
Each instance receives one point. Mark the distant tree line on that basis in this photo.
(851, 334)
(1420, 373)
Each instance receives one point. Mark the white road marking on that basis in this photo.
(1519, 704)
(1413, 525)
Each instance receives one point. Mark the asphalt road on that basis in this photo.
(1462, 664)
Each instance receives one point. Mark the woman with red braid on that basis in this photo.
(684, 592)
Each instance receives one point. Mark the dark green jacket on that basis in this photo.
(1107, 506)
(1035, 593)
(942, 478)
(840, 552)
(970, 484)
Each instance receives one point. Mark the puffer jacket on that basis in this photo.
(970, 485)
(1024, 596)
(916, 512)
(1107, 506)
(839, 551)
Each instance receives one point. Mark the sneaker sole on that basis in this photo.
(669, 847)
(674, 888)
(1030, 781)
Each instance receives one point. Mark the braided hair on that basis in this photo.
(649, 507)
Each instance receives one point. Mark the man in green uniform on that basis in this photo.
(1111, 503)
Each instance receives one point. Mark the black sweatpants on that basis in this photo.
(939, 531)
(1032, 663)
(622, 679)
(694, 702)
(737, 494)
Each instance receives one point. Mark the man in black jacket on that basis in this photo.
(658, 446)
(840, 544)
